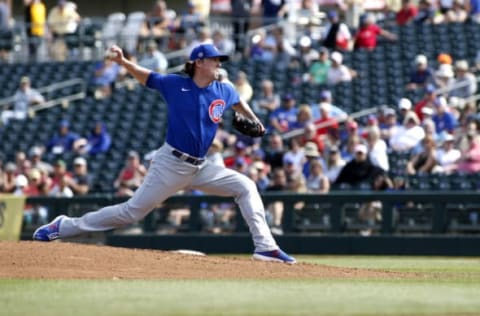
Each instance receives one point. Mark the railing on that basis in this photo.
(443, 210)
(47, 90)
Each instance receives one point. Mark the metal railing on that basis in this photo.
(63, 100)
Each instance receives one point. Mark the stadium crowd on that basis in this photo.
(310, 147)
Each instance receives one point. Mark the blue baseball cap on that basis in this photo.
(207, 51)
(332, 14)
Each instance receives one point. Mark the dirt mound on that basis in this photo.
(60, 260)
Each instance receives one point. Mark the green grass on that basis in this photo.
(445, 286)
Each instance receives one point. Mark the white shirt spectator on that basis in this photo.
(338, 72)
(154, 60)
(406, 138)
(23, 98)
(378, 155)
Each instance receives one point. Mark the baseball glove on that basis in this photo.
(247, 126)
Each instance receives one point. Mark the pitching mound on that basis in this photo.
(60, 260)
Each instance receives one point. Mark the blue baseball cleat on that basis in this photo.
(275, 256)
(50, 231)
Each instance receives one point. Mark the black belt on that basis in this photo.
(187, 158)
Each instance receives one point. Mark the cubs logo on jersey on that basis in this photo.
(215, 110)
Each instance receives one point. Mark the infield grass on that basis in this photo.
(445, 286)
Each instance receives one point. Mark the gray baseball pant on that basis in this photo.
(167, 175)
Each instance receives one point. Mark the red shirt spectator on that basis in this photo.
(407, 13)
(427, 100)
(310, 135)
(366, 36)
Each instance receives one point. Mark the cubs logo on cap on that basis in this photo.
(207, 51)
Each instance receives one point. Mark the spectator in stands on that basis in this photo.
(409, 135)
(223, 43)
(62, 141)
(404, 107)
(443, 77)
(443, 118)
(318, 70)
(35, 20)
(153, 59)
(424, 161)
(310, 135)
(273, 11)
(457, 14)
(7, 183)
(465, 80)
(35, 154)
(447, 156)
(336, 35)
(63, 20)
(241, 150)
(445, 5)
(338, 72)
(4, 15)
(241, 12)
(426, 12)
(295, 154)
(259, 48)
(304, 117)
(311, 153)
(104, 77)
(366, 36)
(61, 188)
(6, 35)
(317, 181)
(421, 75)
(242, 85)
(34, 213)
(359, 169)
(307, 11)
(263, 181)
(22, 163)
(391, 124)
(189, 23)
(426, 102)
(59, 173)
(407, 13)
(275, 151)
(283, 51)
(470, 160)
(334, 111)
(427, 113)
(283, 118)
(352, 140)
(240, 165)
(204, 36)
(201, 7)
(157, 25)
(326, 122)
(132, 173)
(80, 181)
(24, 97)
(377, 149)
(307, 55)
(334, 164)
(474, 10)
(98, 141)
